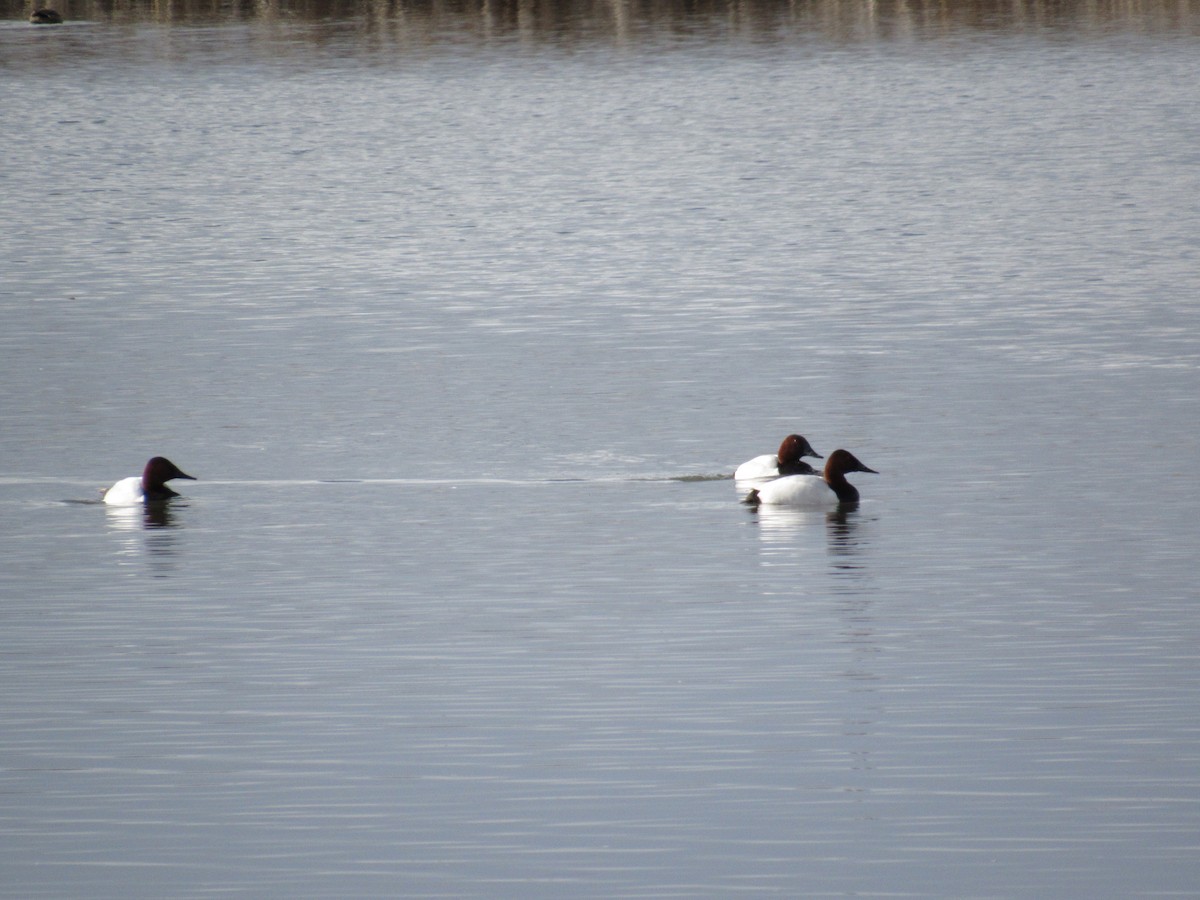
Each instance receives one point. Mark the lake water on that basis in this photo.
(462, 317)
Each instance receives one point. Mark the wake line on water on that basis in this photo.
(437, 482)
(198, 486)
(523, 482)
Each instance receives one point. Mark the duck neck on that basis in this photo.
(846, 492)
(794, 467)
(157, 492)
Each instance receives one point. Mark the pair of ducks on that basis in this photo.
(46, 17)
(796, 483)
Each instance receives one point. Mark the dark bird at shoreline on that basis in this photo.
(45, 17)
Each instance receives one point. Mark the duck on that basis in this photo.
(148, 487)
(786, 462)
(46, 17)
(827, 490)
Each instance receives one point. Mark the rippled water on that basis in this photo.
(463, 323)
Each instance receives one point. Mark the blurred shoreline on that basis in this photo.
(848, 20)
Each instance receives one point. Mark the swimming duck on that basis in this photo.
(810, 490)
(151, 485)
(786, 462)
(45, 17)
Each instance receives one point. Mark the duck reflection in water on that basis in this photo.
(780, 523)
(158, 514)
(157, 523)
(788, 535)
(148, 535)
(841, 529)
(153, 514)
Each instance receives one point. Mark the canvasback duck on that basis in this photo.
(45, 17)
(151, 485)
(812, 490)
(786, 462)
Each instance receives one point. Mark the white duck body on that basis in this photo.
(126, 492)
(798, 490)
(765, 466)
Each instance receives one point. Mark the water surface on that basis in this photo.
(461, 320)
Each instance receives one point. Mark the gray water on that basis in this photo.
(462, 324)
